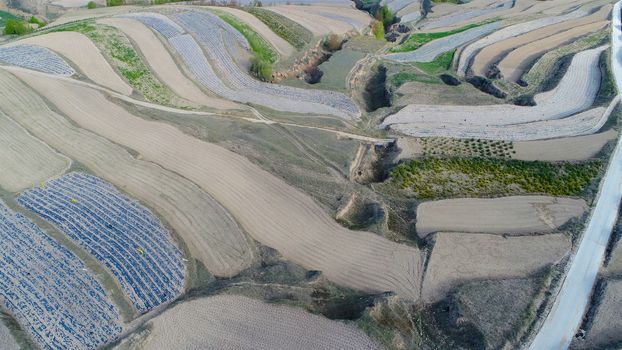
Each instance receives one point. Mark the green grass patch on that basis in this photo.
(417, 40)
(458, 177)
(17, 27)
(5, 16)
(292, 32)
(440, 64)
(400, 78)
(262, 49)
(38, 22)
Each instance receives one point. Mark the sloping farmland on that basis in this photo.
(323, 20)
(505, 215)
(162, 64)
(271, 211)
(460, 257)
(25, 160)
(210, 233)
(236, 322)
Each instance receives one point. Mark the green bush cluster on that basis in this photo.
(261, 68)
(115, 2)
(417, 40)
(17, 27)
(292, 32)
(457, 177)
(38, 22)
(91, 5)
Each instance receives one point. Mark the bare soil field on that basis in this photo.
(284, 48)
(271, 211)
(161, 62)
(234, 322)
(418, 93)
(210, 233)
(606, 330)
(561, 32)
(25, 160)
(80, 50)
(319, 21)
(505, 215)
(564, 149)
(460, 257)
(518, 61)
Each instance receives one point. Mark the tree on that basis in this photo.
(378, 30)
(17, 27)
(261, 69)
(91, 5)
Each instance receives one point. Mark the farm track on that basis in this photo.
(210, 233)
(163, 65)
(575, 92)
(556, 34)
(506, 215)
(271, 211)
(459, 257)
(26, 161)
(80, 50)
(236, 322)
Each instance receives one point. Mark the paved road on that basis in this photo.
(567, 312)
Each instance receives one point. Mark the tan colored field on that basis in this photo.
(73, 16)
(283, 47)
(460, 257)
(606, 329)
(25, 160)
(564, 149)
(505, 215)
(209, 232)
(314, 18)
(162, 64)
(271, 211)
(227, 322)
(557, 34)
(80, 50)
(518, 61)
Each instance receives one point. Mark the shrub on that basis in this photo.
(17, 27)
(378, 30)
(333, 43)
(38, 22)
(115, 2)
(261, 69)
(91, 5)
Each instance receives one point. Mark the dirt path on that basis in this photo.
(270, 210)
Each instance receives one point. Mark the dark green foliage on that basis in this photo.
(456, 177)
(5, 16)
(450, 80)
(485, 85)
(115, 2)
(261, 69)
(284, 27)
(91, 5)
(17, 27)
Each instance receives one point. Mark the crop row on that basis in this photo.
(49, 291)
(125, 236)
(35, 57)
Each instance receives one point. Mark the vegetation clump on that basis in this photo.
(476, 177)
(38, 22)
(115, 2)
(17, 27)
(91, 5)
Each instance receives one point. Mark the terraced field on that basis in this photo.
(371, 263)
(212, 236)
(48, 290)
(35, 57)
(551, 117)
(125, 236)
(505, 215)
